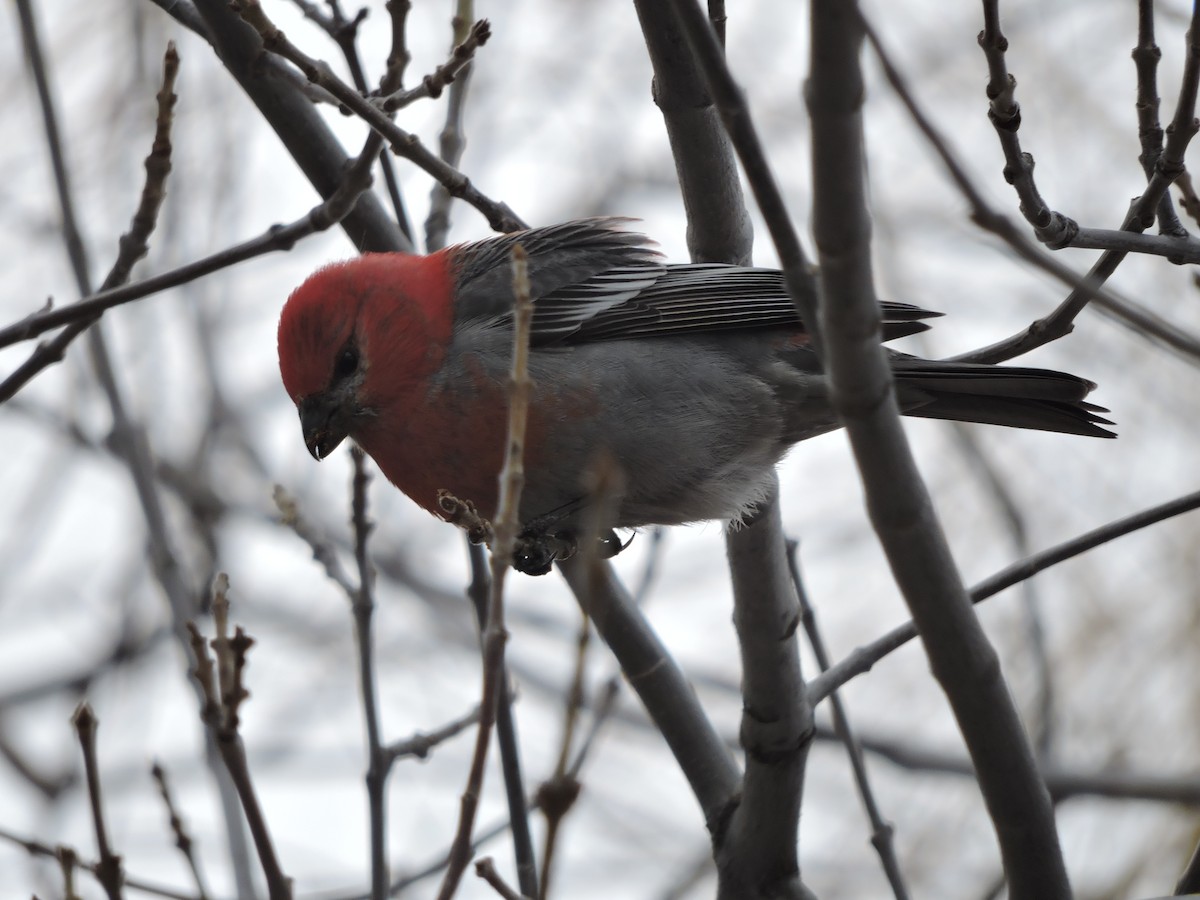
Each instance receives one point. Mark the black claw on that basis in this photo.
(610, 545)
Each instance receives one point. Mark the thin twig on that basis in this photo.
(1087, 287)
(1146, 57)
(557, 795)
(108, 868)
(882, 833)
(37, 848)
(419, 744)
(863, 658)
(322, 551)
(219, 676)
(432, 85)
(285, 99)
(278, 237)
(182, 839)
(132, 245)
(507, 523)
(603, 709)
(451, 140)
(363, 607)
(404, 144)
(344, 32)
(478, 592)
(486, 870)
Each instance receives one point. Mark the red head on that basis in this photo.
(357, 334)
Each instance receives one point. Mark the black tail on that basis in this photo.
(998, 395)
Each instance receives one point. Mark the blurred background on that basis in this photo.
(1100, 652)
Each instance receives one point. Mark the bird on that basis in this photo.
(694, 379)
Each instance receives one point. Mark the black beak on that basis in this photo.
(319, 422)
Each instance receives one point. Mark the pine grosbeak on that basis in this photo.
(695, 378)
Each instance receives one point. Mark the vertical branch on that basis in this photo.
(219, 681)
(182, 839)
(731, 103)
(1146, 57)
(881, 830)
(345, 32)
(398, 57)
(108, 869)
(451, 141)
(478, 592)
(363, 608)
(758, 858)
(960, 656)
(76, 252)
(558, 794)
(506, 526)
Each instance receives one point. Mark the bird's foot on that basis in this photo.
(536, 553)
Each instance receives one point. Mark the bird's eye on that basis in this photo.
(346, 364)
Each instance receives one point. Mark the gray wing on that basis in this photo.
(576, 270)
(592, 281)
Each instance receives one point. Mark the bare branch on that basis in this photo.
(182, 839)
(219, 677)
(278, 237)
(363, 607)
(404, 144)
(882, 832)
(862, 659)
(512, 480)
(108, 870)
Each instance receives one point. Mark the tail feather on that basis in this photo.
(1041, 399)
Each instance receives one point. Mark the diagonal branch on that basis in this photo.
(960, 655)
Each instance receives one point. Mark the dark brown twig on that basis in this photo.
(344, 32)
(285, 100)
(557, 795)
(219, 676)
(443, 76)
(182, 839)
(323, 551)
(108, 868)
(419, 745)
(478, 592)
(486, 870)
(38, 849)
(404, 144)
(132, 245)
